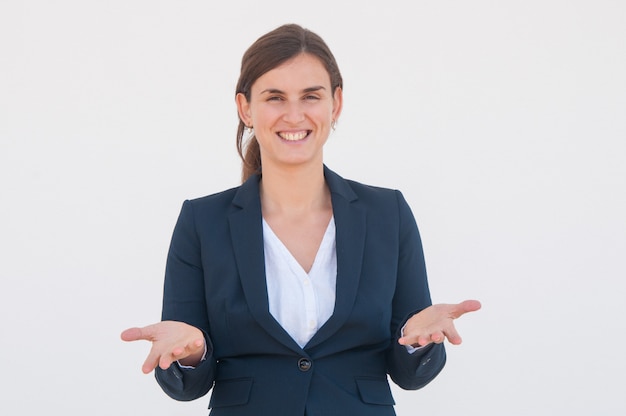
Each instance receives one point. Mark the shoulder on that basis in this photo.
(381, 202)
(365, 193)
(386, 202)
(217, 198)
(244, 196)
(371, 191)
(211, 205)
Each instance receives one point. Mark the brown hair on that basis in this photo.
(268, 52)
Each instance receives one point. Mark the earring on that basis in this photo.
(333, 124)
(250, 130)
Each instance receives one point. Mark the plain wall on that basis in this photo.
(503, 123)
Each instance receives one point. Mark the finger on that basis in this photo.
(131, 334)
(165, 361)
(453, 336)
(408, 340)
(146, 333)
(151, 362)
(180, 352)
(195, 347)
(437, 337)
(135, 334)
(423, 340)
(465, 307)
(419, 339)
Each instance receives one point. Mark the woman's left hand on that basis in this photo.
(435, 324)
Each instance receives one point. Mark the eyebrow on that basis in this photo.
(304, 91)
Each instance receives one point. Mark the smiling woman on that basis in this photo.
(292, 108)
(298, 292)
(271, 51)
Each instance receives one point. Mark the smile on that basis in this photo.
(294, 136)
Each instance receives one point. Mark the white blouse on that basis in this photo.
(301, 302)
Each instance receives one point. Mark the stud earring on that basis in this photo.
(250, 130)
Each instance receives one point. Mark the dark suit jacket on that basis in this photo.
(215, 280)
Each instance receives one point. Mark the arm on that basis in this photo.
(412, 295)
(183, 334)
(184, 301)
(428, 325)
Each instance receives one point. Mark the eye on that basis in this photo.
(275, 98)
(311, 97)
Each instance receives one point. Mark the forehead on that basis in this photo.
(298, 73)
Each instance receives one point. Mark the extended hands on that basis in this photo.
(435, 324)
(178, 341)
(171, 341)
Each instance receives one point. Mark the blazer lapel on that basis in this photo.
(246, 230)
(350, 243)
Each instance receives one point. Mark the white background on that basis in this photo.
(503, 123)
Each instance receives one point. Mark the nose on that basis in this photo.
(294, 112)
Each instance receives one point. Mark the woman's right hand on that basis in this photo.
(171, 341)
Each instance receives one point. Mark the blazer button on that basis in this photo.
(304, 364)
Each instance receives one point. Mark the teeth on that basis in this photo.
(292, 137)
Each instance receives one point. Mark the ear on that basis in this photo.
(337, 103)
(243, 108)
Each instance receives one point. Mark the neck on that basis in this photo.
(294, 190)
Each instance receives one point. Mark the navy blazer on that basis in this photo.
(215, 280)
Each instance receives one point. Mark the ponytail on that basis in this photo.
(250, 154)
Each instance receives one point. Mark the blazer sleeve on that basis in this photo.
(184, 301)
(411, 371)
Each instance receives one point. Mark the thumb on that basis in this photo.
(132, 334)
(465, 307)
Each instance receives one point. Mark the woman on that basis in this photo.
(299, 291)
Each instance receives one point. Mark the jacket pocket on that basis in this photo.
(231, 392)
(375, 391)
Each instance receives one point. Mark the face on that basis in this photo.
(291, 109)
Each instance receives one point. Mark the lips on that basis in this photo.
(294, 136)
